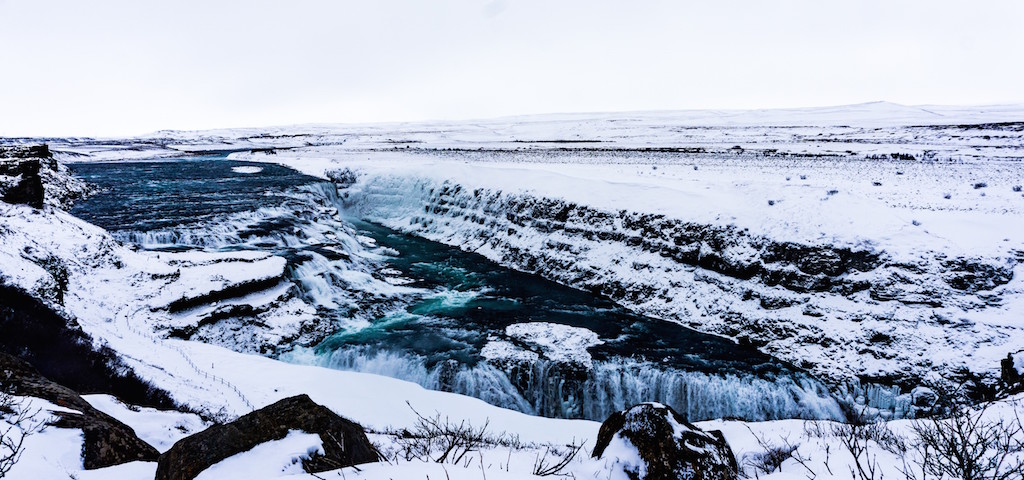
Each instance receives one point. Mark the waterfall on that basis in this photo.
(560, 390)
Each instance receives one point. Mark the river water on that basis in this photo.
(462, 323)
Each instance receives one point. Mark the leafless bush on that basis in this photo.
(771, 459)
(17, 425)
(439, 439)
(559, 459)
(968, 445)
(860, 438)
(856, 439)
(772, 456)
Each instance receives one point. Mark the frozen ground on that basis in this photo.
(803, 240)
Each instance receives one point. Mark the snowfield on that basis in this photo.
(861, 243)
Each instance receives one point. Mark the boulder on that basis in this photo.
(667, 446)
(107, 441)
(344, 441)
(924, 401)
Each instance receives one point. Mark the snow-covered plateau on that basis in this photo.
(869, 245)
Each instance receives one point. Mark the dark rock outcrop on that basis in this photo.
(231, 291)
(22, 165)
(671, 447)
(30, 175)
(344, 441)
(25, 185)
(107, 441)
(30, 151)
(1012, 380)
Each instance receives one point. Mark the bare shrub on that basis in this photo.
(968, 445)
(772, 456)
(856, 439)
(441, 440)
(17, 425)
(770, 459)
(559, 459)
(860, 438)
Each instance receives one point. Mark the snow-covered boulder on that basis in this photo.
(652, 441)
(344, 442)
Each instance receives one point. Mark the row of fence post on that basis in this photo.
(155, 340)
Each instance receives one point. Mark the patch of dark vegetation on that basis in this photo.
(59, 349)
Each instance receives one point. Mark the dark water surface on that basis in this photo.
(158, 194)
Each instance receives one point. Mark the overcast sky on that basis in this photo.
(130, 67)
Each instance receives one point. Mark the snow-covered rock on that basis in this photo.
(558, 343)
(651, 441)
(342, 442)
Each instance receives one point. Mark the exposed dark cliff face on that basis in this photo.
(723, 249)
(30, 151)
(711, 247)
(20, 182)
(30, 175)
